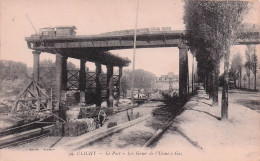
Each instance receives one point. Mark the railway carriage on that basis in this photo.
(58, 31)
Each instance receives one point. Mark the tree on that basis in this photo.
(211, 27)
(13, 77)
(244, 78)
(143, 79)
(251, 62)
(48, 73)
(248, 70)
(236, 68)
(71, 66)
(254, 64)
(11, 70)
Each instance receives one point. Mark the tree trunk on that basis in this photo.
(240, 78)
(209, 75)
(215, 84)
(224, 103)
(188, 82)
(194, 81)
(192, 72)
(249, 81)
(255, 79)
(211, 84)
(207, 83)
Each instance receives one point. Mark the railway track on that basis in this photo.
(100, 134)
(119, 134)
(40, 129)
(24, 137)
(132, 133)
(25, 133)
(137, 133)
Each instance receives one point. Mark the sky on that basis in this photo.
(95, 17)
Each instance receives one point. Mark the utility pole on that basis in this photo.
(133, 68)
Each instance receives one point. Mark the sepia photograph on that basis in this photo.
(130, 80)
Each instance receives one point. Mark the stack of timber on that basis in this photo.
(75, 127)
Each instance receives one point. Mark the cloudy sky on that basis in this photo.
(94, 17)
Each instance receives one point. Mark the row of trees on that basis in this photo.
(143, 79)
(250, 66)
(211, 28)
(15, 75)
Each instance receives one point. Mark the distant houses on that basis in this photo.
(166, 82)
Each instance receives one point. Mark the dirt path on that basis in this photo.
(246, 98)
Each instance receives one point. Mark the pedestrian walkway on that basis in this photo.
(200, 134)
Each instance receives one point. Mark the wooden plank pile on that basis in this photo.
(75, 127)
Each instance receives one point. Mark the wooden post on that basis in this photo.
(64, 73)
(110, 86)
(183, 70)
(58, 79)
(36, 65)
(98, 84)
(82, 81)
